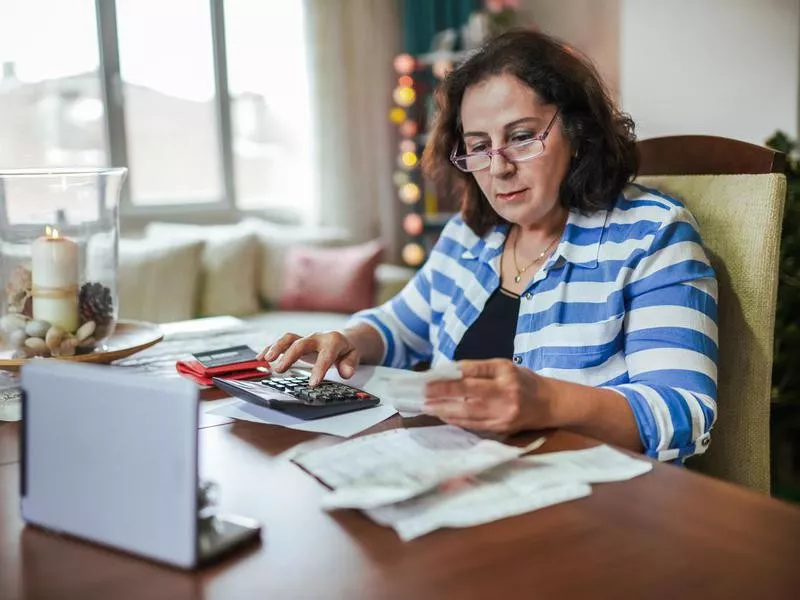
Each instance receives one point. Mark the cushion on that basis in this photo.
(275, 239)
(330, 279)
(158, 279)
(228, 276)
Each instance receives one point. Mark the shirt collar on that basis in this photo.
(580, 242)
(488, 246)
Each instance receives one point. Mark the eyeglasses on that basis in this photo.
(513, 152)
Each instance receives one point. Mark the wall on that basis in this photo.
(592, 26)
(720, 67)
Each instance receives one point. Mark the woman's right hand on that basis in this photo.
(323, 349)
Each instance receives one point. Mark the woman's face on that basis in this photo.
(502, 110)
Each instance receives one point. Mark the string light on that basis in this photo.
(410, 193)
(412, 224)
(404, 96)
(400, 178)
(397, 115)
(404, 64)
(409, 128)
(407, 146)
(408, 160)
(413, 254)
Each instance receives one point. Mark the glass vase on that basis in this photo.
(59, 239)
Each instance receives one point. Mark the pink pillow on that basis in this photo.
(330, 279)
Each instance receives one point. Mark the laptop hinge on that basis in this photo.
(23, 446)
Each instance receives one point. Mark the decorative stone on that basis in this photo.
(37, 344)
(16, 339)
(85, 330)
(12, 322)
(37, 329)
(54, 337)
(68, 346)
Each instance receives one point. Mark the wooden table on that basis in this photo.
(669, 534)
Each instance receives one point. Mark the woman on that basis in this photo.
(571, 298)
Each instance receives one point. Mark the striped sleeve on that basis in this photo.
(403, 322)
(670, 337)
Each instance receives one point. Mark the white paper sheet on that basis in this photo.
(395, 465)
(407, 388)
(403, 389)
(600, 464)
(345, 425)
(521, 486)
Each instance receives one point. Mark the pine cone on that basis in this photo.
(95, 304)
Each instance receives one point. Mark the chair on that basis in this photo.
(736, 191)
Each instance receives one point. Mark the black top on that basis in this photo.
(492, 333)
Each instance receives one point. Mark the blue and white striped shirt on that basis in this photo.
(627, 301)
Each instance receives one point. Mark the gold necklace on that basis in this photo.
(542, 254)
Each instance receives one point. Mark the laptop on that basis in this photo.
(111, 457)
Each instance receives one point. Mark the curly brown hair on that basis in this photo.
(601, 137)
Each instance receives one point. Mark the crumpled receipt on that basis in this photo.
(396, 465)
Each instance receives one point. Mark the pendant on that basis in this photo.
(518, 278)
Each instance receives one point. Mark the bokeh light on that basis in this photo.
(405, 80)
(397, 115)
(412, 224)
(400, 178)
(408, 160)
(410, 193)
(409, 128)
(413, 254)
(407, 146)
(404, 96)
(404, 64)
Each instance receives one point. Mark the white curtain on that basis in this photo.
(351, 45)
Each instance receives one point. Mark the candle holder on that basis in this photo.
(59, 239)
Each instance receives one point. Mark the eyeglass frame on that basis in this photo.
(501, 151)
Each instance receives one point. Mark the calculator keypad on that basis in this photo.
(324, 393)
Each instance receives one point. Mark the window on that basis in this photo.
(51, 109)
(206, 101)
(166, 63)
(268, 87)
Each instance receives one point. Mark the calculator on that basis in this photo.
(292, 395)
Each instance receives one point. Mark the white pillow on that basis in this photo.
(158, 279)
(229, 274)
(275, 239)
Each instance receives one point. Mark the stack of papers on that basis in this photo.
(398, 389)
(419, 480)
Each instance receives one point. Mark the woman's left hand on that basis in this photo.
(492, 395)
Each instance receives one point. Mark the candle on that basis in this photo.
(54, 272)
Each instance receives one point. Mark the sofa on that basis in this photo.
(284, 277)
